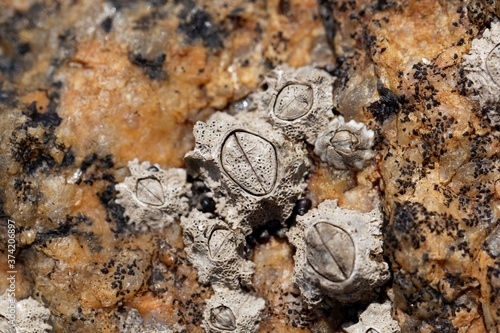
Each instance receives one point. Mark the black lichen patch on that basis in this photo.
(114, 212)
(152, 67)
(198, 25)
(69, 227)
(387, 106)
(50, 118)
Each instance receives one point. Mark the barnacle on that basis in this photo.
(298, 101)
(345, 145)
(483, 69)
(216, 251)
(30, 316)
(232, 311)
(254, 171)
(375, 319)
(153, 195)
(339, 253)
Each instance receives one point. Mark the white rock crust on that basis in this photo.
(30, 316)
(255, 173)
(153, 197)
(483, 69)
(297, 100)
(232, 311)
(339, 254)
(375, 319)
(345, 145)
(216, 251)
(132, 322)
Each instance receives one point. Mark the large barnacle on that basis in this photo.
(298, 101)
(483, 67)
(254, 171)
(345, 145)
(232, 311)
(152, 196)
(216, 251)
(339, 254)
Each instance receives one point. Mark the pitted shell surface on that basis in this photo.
(493, 64)
(250, 161)
(293, 101)
(330, 251)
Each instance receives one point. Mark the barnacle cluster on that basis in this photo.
(483, 69)
(250, 168)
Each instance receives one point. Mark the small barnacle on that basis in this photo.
(483, 69)
(232, 311)
(375, 319)
(254, 171)
(29, 316)
(345, 145)
(298, 101)
(339, 254)
(216, 251)
(152, 196)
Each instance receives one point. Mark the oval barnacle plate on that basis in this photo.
(330, 251)
(250, 161)
(221, 244)
(293, 101)
(150, 191)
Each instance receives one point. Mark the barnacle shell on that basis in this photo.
(30, 316)
(339, 253)
(216, 251)
(152, 196)
(232, 311)
(345, 145)
(254, 171)
(375, 319)
(483, 69)
(298, 101)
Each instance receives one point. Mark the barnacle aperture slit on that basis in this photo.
(330, 251)
(250, 161)
(150, 191)
(293, 101)
(344, 142)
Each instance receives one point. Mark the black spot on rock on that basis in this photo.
(199, 26)
(107, 24)
(152, 67)
(386, 106)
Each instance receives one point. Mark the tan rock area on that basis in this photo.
(86, 87)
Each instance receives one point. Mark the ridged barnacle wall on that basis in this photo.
(339, 254)
(153, 197)
(299, 101)
(254, 171)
